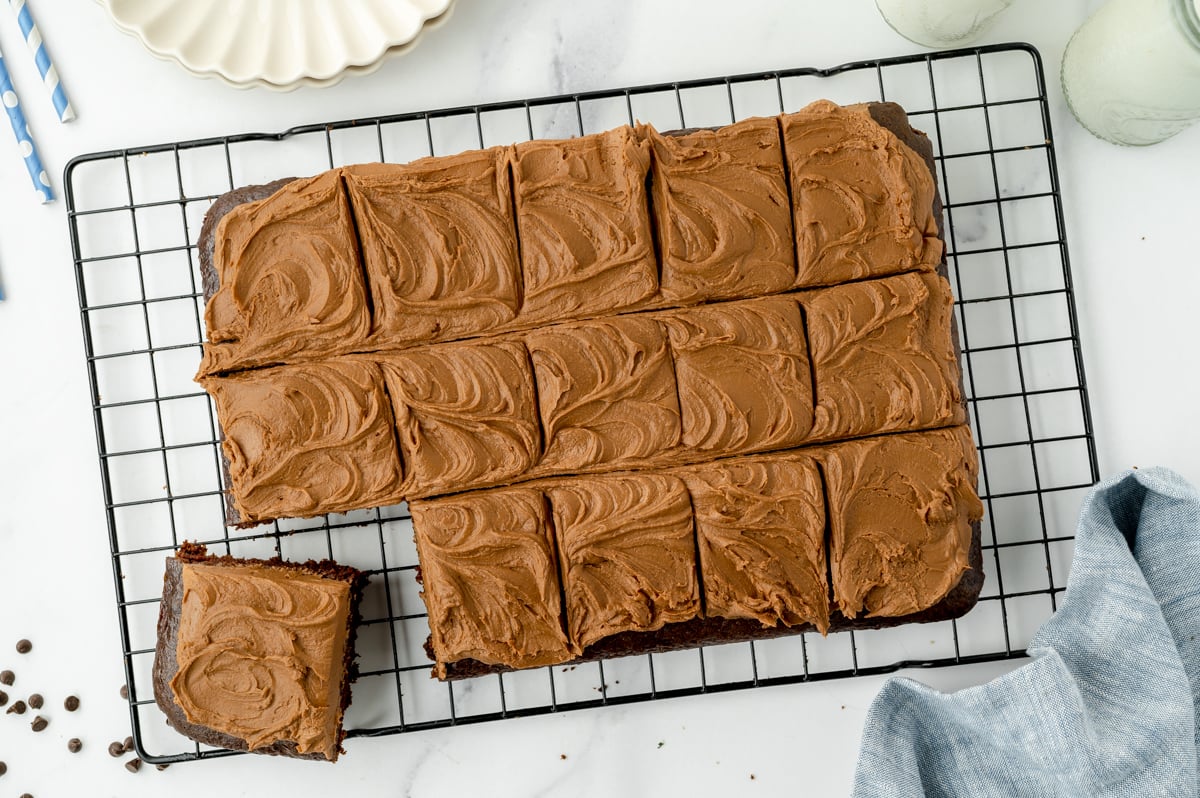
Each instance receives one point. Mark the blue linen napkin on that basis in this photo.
(1108, 705)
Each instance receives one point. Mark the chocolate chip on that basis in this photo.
(36, 701)
(39, 723)
(74, 745)
(26, 795)
(3, 698)
(163, 766)
(125, 691)
(3, 768)
(7, 677)
(115, 749)
(72, 703)
(18, 708)
(127, 746)
(133, 765)
(24, 646)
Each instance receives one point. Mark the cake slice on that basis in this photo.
(281, 274)
(720, 205)
(257, 655)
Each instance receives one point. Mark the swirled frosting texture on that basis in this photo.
(491, 578)
(261, 654)
(466, 414)
(760, 530)
(584, 224)
(742, 370)
(862, 200)
(721, 206)
(438, 245)
(900, 514)
(882, 356)
(291, 289)
(628, 555)
(308, 439)
(606, 391)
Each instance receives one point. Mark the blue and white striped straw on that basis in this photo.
(8, 98)
(33, 37)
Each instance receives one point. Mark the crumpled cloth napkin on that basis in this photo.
(1108, 705)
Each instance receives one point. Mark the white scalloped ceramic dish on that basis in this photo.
(277, 44)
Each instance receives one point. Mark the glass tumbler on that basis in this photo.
(1131, 74)
(941, 23)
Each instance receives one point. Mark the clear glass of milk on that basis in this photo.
(941, 23)
(1131, 74)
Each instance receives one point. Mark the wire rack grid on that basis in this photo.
(134, 219)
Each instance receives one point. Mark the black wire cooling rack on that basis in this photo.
(134, 219)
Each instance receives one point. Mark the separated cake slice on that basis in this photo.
(257, 655)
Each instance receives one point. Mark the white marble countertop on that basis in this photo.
(1130, 219)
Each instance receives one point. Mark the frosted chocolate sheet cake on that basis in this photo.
(641, 390)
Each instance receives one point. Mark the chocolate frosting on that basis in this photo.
(862, 199)
(466, 414)
(900, 515)
(260, 653)
(606, 391)
(882, 356)
(760, 528)
(308, 439)
(628, 554)
(586, 246)
(491, 578)
(291, 289)
(438, 245)
(721, 205)
(743, 375)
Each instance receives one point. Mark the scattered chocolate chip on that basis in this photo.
(163, 766)
(562, 756)
(74, 745)
(3, 698)
(7, 677)
(24, 646)
(36, 701)
(125, 691)
(18, 708)
(39, 723)
(115, 749)
(133, 765)
(72, 703)
(127, 746)
(26, 795)
(3, 768)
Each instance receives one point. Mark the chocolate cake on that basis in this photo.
(257, 655)
(641, 390)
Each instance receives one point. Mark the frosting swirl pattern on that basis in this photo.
(466, 414)
(586, 246)
(308, 439)
(760, 527)
(862, 199)
(628, 555)
(291, 288)
(882, 356)
(491, 578)
(742, 370)
(260, 653)
(438, 245)
(721, 206)
(606, 391)
(900, 514)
